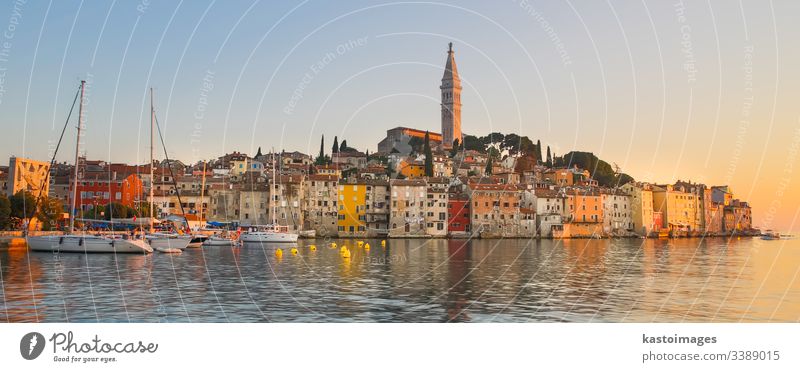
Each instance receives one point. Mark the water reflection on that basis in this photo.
(414, 281)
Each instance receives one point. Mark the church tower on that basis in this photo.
(451, 102)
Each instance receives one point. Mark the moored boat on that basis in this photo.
(197, 241)
(87, 244)
(162, 241)
(219, 241)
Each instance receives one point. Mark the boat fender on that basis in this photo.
(61, 240)
(80, 242)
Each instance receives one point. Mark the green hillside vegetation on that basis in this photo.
(601, 171)
(515, 144)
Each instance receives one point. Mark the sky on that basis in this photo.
(704, 91)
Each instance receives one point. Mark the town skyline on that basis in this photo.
(689, 125)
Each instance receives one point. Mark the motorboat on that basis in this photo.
(87, 244)
(269, 234)
(774, 235)
(218, 240)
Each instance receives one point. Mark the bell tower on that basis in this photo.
(451, 101)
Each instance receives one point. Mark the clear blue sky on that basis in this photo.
(609, 77)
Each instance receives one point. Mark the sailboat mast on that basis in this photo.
(77, 154)
(152, 202)
(274, 188)
(202, 191)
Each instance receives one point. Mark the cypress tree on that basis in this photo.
(343, 147)
(428, 155)
(549, 157)
(454, 150)
(335, 145)
(539, 150)
(321, 157)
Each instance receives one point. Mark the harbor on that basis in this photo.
(413, 280)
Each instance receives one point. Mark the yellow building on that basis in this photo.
(679, 209)
(352, 209)
(246, 165)
(412, 169)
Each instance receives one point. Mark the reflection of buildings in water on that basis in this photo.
(585, 282)
(458, 281)
(22, 293)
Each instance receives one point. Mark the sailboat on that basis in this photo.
(162, 242)
(270, 233)
(82, 243)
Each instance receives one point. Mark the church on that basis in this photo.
(397, 138)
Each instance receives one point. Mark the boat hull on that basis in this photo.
(268, 238)
(86, 244)
(168, 242)
(218, 242)
(197, 241)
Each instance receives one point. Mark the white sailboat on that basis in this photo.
(270, 233)
(81, 243)
(164, 243)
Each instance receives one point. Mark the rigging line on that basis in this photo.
(58, 145)
(169, 166)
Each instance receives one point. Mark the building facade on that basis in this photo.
(458, 214)
(495, 210)
(436, 212)
(320, 212)
(408, 200)
(641, 203)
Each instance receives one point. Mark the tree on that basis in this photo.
(549, 158)
(258, 154)
(5, 212)
(454, 150)
(599, 169)
(343, 147)
(321, 157)
(23, 205)
(335, 148)
(50, 210)
(142, 211)
(118, 210)
(473, 143)
(428, 155)
(489, 167)
(539, 150)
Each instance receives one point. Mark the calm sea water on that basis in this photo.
(689, 280)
